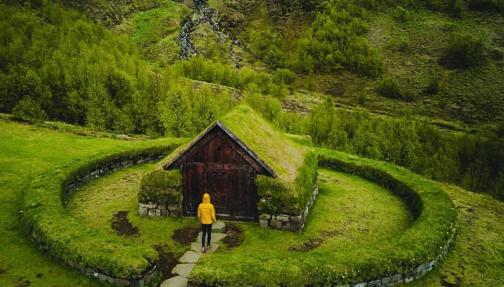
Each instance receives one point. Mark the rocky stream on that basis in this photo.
(204, 14)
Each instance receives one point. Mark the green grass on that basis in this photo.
(156, 31)
(27, 152)
(478, 255)
(97, 202)
(351, 215)
(411, 51)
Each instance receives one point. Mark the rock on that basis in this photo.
(263, 223)
(152, 212)
(165, 212)
(173, 207)
(220, 226)
(190, 257)
(183, 270)
(177, 281)
(142, 211)
(275, 224)
(282, 218)
(296, 218)
(265, 216)
(162, 207)
(174, 213)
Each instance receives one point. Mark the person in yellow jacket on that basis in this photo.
(206, 214)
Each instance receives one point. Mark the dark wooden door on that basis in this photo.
(231, 188)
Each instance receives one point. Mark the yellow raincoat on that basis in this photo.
(206, 210)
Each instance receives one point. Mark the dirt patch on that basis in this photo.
(235, 235)
(23, 283)
(308, 245)
(185, 235)
(122, 226)
(166, 261)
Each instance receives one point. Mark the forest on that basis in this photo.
(57, 64)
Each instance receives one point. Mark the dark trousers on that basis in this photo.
(206, 229)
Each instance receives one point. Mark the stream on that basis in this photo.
(204, 14)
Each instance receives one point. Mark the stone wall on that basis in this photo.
(154, 209)
(408, 275)
(73, 185)
(285, 221)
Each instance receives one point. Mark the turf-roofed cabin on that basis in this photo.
(251, 170)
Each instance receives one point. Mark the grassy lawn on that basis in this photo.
(25, 152)
(349, 216)
(96, 203)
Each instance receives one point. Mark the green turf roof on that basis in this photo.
(275, 149)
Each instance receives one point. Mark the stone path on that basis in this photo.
(182, 271)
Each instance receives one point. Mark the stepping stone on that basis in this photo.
(219, 226)
(190, 257)
(177, 281)
(183, 270)
(216, 236)
(196, 247)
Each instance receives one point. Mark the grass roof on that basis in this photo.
(272, 146)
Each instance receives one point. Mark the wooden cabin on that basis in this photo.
(219, 163)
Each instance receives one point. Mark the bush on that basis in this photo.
(29, 110)
(402, 15)
(433, 87)
(162, 187)
(496, 5)
(463, 51)
(288, 198)
(388, 87)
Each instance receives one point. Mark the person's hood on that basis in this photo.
(206, 198)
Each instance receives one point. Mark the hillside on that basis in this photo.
(419, 84)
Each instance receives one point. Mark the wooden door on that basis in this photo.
(231, 188)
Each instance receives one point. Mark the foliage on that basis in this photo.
(463, 51)
(162, 187)
(489, 5)
(471, 161)
(185, 110)
(337, 39)
(287, 197)
(388, 87)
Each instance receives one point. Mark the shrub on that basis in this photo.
(285, 197)
(388, 87)
(463, 51)
(402, 15)
(497, 5)
(161, 186)
(455, 8)
(29, 110)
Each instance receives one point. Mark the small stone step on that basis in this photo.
(216, 236)
(177, 281)
(196, 247)
(183, 270)
(219, 226)
(190, 257)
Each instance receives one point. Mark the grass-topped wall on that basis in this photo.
(95, 253)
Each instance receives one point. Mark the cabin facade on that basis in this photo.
(219, 163)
